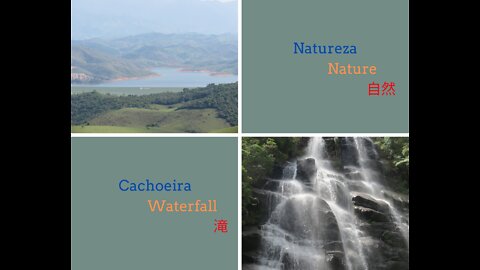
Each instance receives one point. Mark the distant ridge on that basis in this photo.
(97, 60)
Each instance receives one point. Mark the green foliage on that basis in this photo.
(222, 98)
(259, 156)
(396, 150)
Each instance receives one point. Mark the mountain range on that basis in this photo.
(100, 59)
(113, 18)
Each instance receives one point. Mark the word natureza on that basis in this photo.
(335, 68)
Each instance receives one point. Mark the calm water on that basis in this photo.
(173, 77)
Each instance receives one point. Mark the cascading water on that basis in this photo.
(333, 213)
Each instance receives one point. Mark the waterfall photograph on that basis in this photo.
(325, 203)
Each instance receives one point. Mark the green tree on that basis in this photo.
(396, 150)
(259, 157)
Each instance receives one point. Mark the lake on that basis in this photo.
(172, 77)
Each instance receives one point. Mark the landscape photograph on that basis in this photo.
(325, 203)
(143, 66)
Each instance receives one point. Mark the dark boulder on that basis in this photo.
(333, 246)
(330, 147)
(306, 170)
(369, 148)
(335, 260)
(251, 245)
(394, 239)
(397, 265)
(370, 215)
(251, 239)
(290, 262)
(249, 258)
(308, 218)
(367, 201)
(355, 175)
(259, 183)
(376, 229)
(332, 151)
(264, 202)
(277, 171)
(271, 185)
(348, 152)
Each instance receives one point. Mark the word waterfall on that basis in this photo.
(168, 206)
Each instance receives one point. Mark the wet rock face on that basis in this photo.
(271, 185)
(401, 201)
(370, 215)
(332, 152)
(365, 200)
(309, 218)
(370, 210)
(396, 265)
(277, 171)
(394, 239)
(341, 198)
(290, 262)
(388, 249)
(332, 261)
(369, 148)
(355, 175)
(259, 183)
(382, 256)
(306, 170)
(348, 152)
(335, 260)
(262, 204)
(251, 241)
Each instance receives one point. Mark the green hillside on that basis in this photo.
(206, 109)
(100, 66)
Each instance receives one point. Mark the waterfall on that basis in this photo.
(332, 210)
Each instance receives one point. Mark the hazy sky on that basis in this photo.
(117, 18)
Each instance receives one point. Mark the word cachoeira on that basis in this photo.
(149, 186)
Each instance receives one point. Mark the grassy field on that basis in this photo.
(226, 130)
(153, 110)
(107, 129)
(123, 90)
(156, 118)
